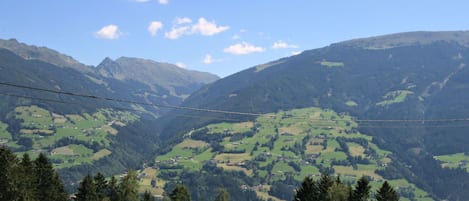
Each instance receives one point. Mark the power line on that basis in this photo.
(130, 101)
(211, 110)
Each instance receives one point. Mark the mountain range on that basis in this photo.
(406, 91)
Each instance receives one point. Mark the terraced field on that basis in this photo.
(296, 143)
(69, 139)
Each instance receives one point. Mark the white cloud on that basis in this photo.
(142, 1)
(243, 48)
(181, 65)
(183, 26)
(154, 27)
(296, 53)
(208, 59)
(176, 32)
(282, 45)
(235, 37)
(108, 32)
(183, 20)
(163, 1)
(207, 28)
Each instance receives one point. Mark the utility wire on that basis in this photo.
(269, 115)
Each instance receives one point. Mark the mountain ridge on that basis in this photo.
(409, 81)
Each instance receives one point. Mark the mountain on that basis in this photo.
(408, 91)
(51, 103)
(175, 81)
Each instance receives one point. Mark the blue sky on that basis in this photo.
(221, 37)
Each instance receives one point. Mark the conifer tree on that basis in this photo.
(325, 183)
(8, 176)
(180, 193)
(101, 186)
(26, 179)
(113, 189)
(308, 191)
(49, 187)
(87, 190)
(128, 187)
(386, 193)
(362, 190)
(147, 196)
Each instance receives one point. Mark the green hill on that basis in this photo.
(277, 147)
(84, 134)
(417, 76)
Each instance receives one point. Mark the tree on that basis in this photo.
(128, 188)
(87, 190)
(223, 195)
(113, 189)
(147, 196)
(386, 193)
(362, 190)
(8, 176)
(26, 179)
(180, 193)
(325, 183)
(101, 186)
(49, 187)
(308, 191)
(339, 192)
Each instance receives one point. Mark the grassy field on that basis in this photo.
(394, 97)
(457, 160)
(46, 129)
(295, 142)
(332, 64)
(4, 134)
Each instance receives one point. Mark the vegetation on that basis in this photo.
(29, 180)
(276, 150)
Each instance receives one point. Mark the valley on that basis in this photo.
(277, 146)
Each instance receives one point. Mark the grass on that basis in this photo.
(188, 143)
(332, 64)
(351, 103)
(356, 149)
(85, 127)
(101, 154)
(4, 134)
(394, 97)
(457, 160)
(323, 126)
(348, 170)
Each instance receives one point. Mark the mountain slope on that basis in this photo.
(166, 77)
(83, 132)
(409, 76)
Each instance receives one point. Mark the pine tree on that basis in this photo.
(147, 196)
(8, 175)
(308, 191)
(113, 189)
(362, 190)
(87, 190)
(180, 193)
(101, 186)
(223, 195)
(26, 179)
(325, 183)
(386, 193)
(128, 188)
(49, 187)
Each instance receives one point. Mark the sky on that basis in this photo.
(216, 36)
